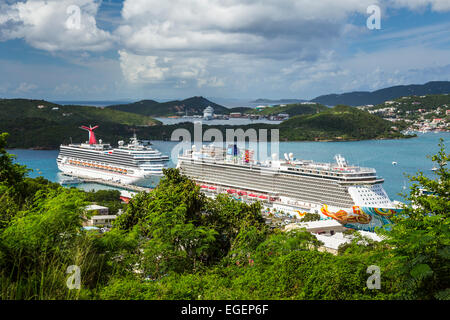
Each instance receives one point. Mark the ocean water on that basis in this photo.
(410, 155)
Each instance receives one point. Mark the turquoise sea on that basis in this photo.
(410, 155)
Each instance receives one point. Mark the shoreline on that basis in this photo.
(38, 148)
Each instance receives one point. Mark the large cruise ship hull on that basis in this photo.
(360, 205)
(89, 173)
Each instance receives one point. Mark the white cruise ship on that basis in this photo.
(349, 194)
(126, 164)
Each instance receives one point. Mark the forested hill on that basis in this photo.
(15, 109)
(32, 126)
(191, 106)
(339, 123)
(42, 124)
(380, 96)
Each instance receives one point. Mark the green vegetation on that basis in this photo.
(338, 123)
(408, 107)
(33, 127)
(379, 96)
(48, 129)
(174, 243)
(191, 106)
(290, 109)
(12, 109)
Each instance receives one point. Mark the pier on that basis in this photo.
(128, 187)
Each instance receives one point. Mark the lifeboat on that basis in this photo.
(242, 193)
(212, 188)
(204, 187)
(252, 195)
(263, 197)
(231, 191)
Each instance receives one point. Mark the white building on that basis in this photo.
(208, 113)
(99, 209)
(100, 217)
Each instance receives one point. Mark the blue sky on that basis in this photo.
(167, 49)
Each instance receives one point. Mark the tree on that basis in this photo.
(420, 236)
(311, 217)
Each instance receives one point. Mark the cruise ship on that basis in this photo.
(352, 195)
(127, 164)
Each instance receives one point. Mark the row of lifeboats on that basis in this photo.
(239, 193)
(97, 166)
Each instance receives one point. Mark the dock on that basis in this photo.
(128, 187)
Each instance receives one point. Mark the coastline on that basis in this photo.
(40, 148)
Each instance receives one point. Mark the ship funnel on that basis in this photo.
(286, 157)
(92, 139)
(291, 156)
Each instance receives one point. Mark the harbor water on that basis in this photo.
(408, 155)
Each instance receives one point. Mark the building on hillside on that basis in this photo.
(102, 220)
(100, 216)
(260, 107)
(283, 116)
(99, 209)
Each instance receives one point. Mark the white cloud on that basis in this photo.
(203, 42)
(232, 26)
(436, 5)
(49, 25)
(142, 69)
(25, 87)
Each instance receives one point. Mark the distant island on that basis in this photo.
(382, 114)
(376, 97)
(40, 124)
(278, 101)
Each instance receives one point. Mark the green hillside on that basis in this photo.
(191, 106)
(31, 127)
(291, 109)
(379, 96)
(414, 103)
(79, 115)
(338, 123)
(42, 124)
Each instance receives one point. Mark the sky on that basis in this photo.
(241, 49)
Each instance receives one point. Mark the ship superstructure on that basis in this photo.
(128, 163)
(334, 190)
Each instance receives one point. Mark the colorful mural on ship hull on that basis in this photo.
(362, 218)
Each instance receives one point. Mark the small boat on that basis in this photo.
(434, 169)
(394, 163)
